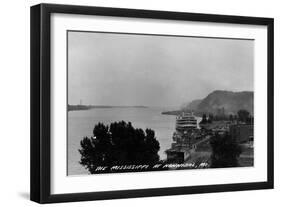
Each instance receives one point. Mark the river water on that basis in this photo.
(81, 124)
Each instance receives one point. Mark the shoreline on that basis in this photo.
(179, 112)
(88, 107)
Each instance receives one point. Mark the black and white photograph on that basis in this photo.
(130, 103)
(151, 102)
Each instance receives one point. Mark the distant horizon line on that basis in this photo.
(150, 106)
(106, 105)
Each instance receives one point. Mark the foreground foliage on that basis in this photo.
(118, 144)
(225, 151)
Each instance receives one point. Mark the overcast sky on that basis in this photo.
(122, 69)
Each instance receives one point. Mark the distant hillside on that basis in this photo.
(193, 105)
(227, 102)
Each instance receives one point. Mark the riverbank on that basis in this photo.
(179, 112)
(87, 107)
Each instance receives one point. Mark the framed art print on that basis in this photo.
(132, 103)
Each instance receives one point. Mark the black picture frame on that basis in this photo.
(41, 98)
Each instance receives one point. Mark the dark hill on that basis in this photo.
(227, 102)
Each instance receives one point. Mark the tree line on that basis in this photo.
(241, 116)
(121, 144)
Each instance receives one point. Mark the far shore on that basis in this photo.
(178, 112)
(87, 107)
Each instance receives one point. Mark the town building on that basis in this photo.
(242, 132)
